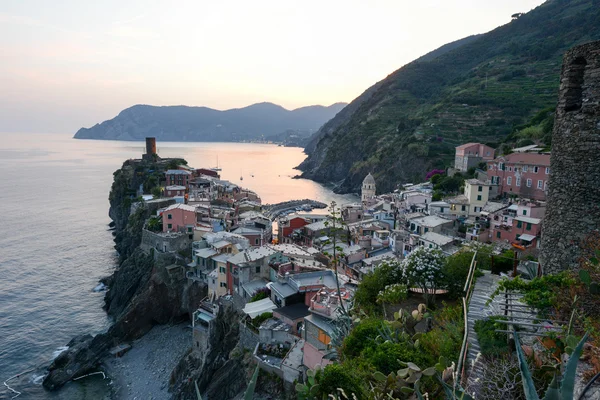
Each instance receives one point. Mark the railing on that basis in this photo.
(465, 300)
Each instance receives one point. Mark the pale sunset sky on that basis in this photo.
(65, 64)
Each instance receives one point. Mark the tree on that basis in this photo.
(423, 269)
(336, 227)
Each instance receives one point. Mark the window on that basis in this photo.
(501, 166)
(487, 153)
(519, 224)
(509, 180)
(546, 185)
(517, 236)
(463, 208)
(509, 169)
(535, 170)
(498, 234)
(480, 189)
(223, 284)
(518, 181)
(221, 270)
(524, 212)
(430, 246)
(540, 184)
(323, 337)
(426, 229)
(169, 216)
(441, 209)
(256, 241)
(547, 170)
(528, 182)
(479, 197)
(257, 270)
(213, 281)
(169, 226)
(525, 168)
(528, 226)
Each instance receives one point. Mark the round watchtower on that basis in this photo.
(573, 208)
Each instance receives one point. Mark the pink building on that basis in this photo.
(524, 231)
(178, 218)
(178, 177)
(523, 174)
(470, 154)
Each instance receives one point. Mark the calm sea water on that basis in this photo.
(55, 245)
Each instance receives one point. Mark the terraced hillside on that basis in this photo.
(478, 89)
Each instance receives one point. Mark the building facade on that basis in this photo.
(524, 175)
(471, 154)
(368, 188)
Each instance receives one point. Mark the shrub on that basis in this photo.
(445, 339)
(372, 283)
(260, 294)
(336, 376)
(362, 336)
(491, 343)
(259, 319)
(455, 272)
(393, 294)
(386, 356)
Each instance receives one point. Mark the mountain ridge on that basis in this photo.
(200, 123)
(480, 90)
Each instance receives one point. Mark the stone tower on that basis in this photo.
(368, 188)
(573, 209)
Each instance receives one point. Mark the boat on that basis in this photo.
(217, 167)
(241, 176)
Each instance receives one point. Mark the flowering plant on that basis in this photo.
(393, 294)
(423, 269)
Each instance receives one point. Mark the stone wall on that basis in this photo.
(165, 243)
(574, 189)
(248, 339)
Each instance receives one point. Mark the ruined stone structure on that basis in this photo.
(573, 208)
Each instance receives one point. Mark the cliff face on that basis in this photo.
(181, 123)
(141, 292)
(474, 90)
(218, 376)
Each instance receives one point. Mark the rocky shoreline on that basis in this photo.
(144, 371)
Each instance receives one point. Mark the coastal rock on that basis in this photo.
(141, 292)
(217, 375)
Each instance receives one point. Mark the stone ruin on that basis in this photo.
(573, 208)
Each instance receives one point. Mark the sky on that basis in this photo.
(66, 64)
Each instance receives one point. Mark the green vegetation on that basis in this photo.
(491, 86)
(491, 343)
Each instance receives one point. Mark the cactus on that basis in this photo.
(406, 322)
(559, 389)
(309, 389)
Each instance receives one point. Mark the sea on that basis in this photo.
(55, 243)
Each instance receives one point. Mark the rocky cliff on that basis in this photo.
(478, 89)
(181, 123)
(141, 292)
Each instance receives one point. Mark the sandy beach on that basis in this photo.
(143, 372)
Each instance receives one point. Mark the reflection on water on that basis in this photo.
(55, 244)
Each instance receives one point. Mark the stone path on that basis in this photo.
(477, 309)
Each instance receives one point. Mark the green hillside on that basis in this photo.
(476, 90)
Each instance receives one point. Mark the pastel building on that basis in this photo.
(471, 154)
(525, 175)
(368, 188)
(179, 218)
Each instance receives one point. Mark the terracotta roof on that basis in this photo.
(527, 159)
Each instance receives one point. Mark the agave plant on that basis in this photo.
(559, 389)
(249, 394)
